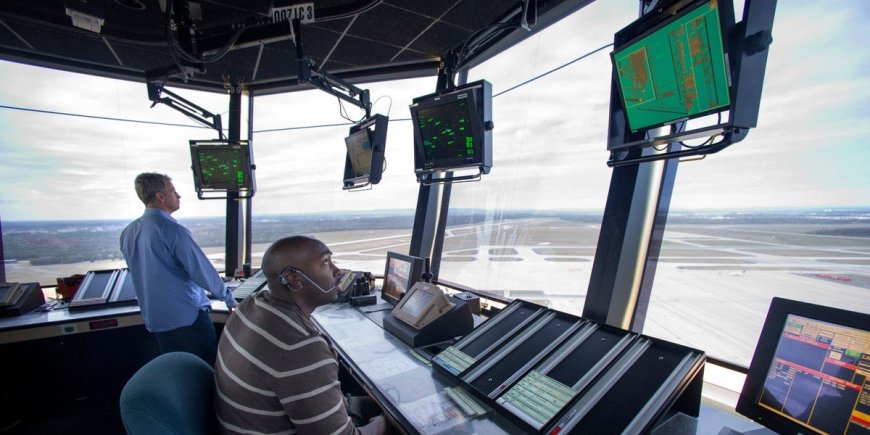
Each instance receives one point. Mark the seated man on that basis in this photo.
(274, 372)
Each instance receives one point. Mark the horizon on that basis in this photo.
(405, 212)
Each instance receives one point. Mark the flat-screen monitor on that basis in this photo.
(675, 69)
(365, 152)
(810, 371)
(221, 166)
(124, 290)
(453, 130)
(401, 273)
(95, 289)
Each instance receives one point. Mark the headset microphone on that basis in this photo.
(287, 284)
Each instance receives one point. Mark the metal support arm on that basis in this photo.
(309, 72)
(156, 94)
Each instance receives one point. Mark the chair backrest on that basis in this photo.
(171, 394)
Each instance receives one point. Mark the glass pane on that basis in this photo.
(530, 228)
(783, 213)
(300, 173)
(68, 180)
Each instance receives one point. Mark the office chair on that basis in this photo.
(171, 394)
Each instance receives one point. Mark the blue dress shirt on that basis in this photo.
(169, 271)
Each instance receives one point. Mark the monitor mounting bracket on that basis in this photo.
(158, 93)
(309, 72)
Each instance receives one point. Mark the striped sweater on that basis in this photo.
(275, 373)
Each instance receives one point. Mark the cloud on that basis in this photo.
(549, 140)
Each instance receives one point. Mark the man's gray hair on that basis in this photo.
(148, 184)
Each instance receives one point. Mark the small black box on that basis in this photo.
(471, 299)
(361, 301)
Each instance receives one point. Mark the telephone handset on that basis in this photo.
(423, 303)
(353, 285)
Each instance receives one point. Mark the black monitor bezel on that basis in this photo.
(479, 93)
(414, 274)
(780, 309)
(654, 21)
(376, 126)
(196, 146)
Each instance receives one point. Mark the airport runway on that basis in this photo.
(712, 287)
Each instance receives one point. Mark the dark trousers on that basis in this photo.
(198, 339)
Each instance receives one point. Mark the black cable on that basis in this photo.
(554, 69)
(303, 127)
(343, 112)
(177, 50)
(389, 108)
(466, 50)
(709, 140)
(105, 118)
(362, 10)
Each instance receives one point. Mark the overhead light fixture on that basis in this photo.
(85, 16)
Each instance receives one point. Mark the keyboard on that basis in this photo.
(253, 284)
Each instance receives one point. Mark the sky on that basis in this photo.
(809, 149)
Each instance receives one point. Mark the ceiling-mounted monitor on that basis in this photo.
(365, 144)
(453, 130)
(221, 166)
(685, 60)
(811, 370)
(676, 70)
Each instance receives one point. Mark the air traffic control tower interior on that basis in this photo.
(439, 351)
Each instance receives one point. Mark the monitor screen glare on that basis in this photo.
(676, 72)
(396, 279)
(359, 149)
(419, 300)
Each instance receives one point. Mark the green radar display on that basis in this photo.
(446, 131)
(221, 166)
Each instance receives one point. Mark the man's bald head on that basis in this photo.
(290, 251)
(300, 268)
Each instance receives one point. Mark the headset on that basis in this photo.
(286, 284)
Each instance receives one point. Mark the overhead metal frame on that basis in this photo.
(352, 41)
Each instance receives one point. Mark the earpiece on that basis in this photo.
(285, 283)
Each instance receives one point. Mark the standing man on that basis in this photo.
(275, 372)
(170, 273)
